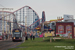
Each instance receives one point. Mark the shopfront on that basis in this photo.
(66, 29)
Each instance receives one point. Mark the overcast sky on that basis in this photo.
(52, 8)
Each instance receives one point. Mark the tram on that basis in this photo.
(16, 35)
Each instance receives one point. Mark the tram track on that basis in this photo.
(4, 45)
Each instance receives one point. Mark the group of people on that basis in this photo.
(5, 37)
(31, 34)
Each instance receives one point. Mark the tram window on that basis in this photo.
(16, 32)
(21, 34)
(17, 35)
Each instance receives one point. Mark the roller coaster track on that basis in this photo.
(21, 24)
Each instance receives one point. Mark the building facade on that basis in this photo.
(65, 28)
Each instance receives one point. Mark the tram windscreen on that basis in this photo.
(17, 34)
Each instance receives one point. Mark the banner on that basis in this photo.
(48, 34)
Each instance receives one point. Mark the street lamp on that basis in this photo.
(25, 24)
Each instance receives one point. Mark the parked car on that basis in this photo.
(0, 37)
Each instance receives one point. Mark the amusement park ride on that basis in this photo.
(33, 21)
(48, 22)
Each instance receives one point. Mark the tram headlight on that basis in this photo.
(19, 38)
(14, 37)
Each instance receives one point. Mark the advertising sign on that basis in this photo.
(60, 29)
(0, 33)
(68, 29)
(48, 34)
(67, 17)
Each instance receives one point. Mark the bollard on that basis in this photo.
(54, 39)
(24, 39)
(50, 40)
(43, 38)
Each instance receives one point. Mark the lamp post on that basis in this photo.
(42, 29)
(6, 26)
(3, 23)
(25, 27)
(11, 26)
(6, 23)
(25, 24)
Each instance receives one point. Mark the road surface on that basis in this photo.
(6, 44)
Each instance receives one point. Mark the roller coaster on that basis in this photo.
(17, 19)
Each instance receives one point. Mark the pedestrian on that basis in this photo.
(6, 36)
(38, 34)
(3, 37)
(26, 38)
(34, 35)
(31, 35)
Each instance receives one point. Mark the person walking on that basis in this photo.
(3, 37)
(31, 35)
(6, 36)
(26, 38)
(34, 35)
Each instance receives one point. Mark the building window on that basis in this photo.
(68, 29)
(60, 29)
